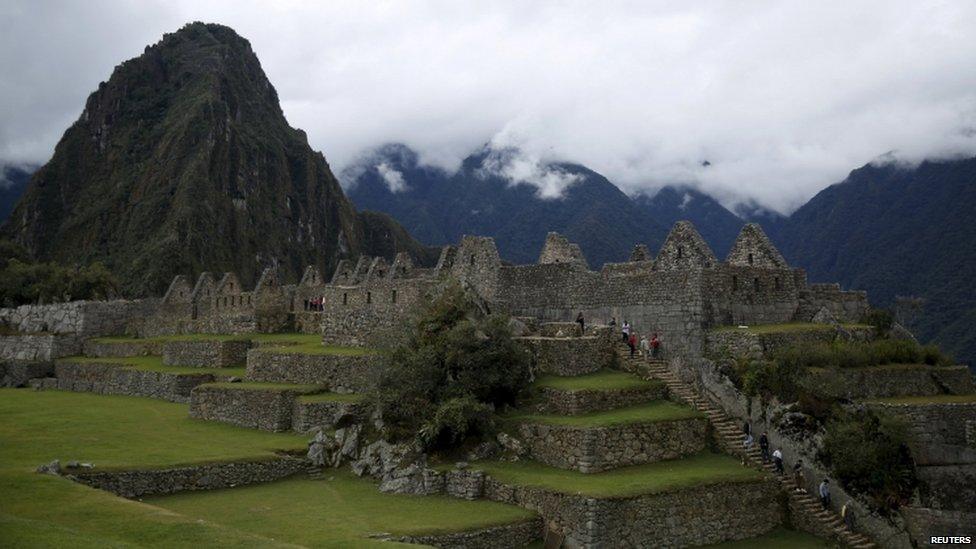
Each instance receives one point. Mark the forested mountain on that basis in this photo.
(717, 225)
(897, 231)
(182, 162)
(13, 183)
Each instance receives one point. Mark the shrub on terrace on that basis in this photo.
(457, 367)
(854, 354)
(24, 282)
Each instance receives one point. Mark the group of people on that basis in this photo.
(648, 347)
(823, 490)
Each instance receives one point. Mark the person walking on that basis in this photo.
(847, 514)
(746, 428)
(778, 461)
(645, 347)
(764, 446)
(747, 443)
(655, 345)
(632, 343)
(612, 323)
(825, 493)
(625, 330)
(798, 476)
(581, 322)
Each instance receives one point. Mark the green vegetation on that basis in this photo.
(777, 539)
(858, 354)
(332, 397)
(604, 380)
(456, 368)
(152, 363)
(316, 348)
(661, 410)
(341, 510)
(23, 281)
(933, 399)
(698, 470)
(868, 454)
(254, 386)
(127, 432)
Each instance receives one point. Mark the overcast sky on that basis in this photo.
(782, 98)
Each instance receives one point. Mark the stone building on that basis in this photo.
(680, 293)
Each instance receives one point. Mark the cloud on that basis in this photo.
(782, 98)
(393, 178)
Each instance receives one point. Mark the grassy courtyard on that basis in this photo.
(659, 410)
(604, 380)
(128, 432)
(698, 470)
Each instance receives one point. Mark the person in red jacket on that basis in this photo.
(655, 345)
(632, 343)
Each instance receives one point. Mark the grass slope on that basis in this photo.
(661, 410)
(339, 511)
(698, 470)
(604, 380)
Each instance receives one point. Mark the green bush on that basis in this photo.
(23, 282)
(854, 354)
(457, 367)
(766, 379)
(868, 455)
(881, 319)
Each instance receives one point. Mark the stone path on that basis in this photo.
(728, 430)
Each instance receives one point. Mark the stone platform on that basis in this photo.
(115, 378)
(263, 406)
(206, 353)
(596, 392)
(342, 373)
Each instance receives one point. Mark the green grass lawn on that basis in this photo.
(332, 397)
(604, 380)
(129, 432)
(257, 386)
(934, 399)
(789, 327)
(697, 470)
(152, 363)
(340, 510)
(659, 410)
(111, 432)
(777, 539)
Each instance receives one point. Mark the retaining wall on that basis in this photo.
(584, 401)
(115, 379)
(38, 347)
(591, 450)
(308, 415)
(266, 409)
(341, 373)
(122, 349)
(18, 374)
(519, 534)
(212, 476)
(569, 356)
(891, 381)
(206, 353)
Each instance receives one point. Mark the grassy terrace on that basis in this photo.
(278, 343)
(790, 327)
(661, 410)
(331, 397)
(152, 364)
(252, 386)
(340, 510)
(817, 369)
(604, 380)
(934, 399)
(777, 539)
(698, 470)
(128, 432)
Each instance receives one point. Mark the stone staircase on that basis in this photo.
(730, 435)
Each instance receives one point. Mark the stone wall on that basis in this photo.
(171, 480)
(38, 347)
(890, 381)
(845, 306)
(937, 431)
(114, 379)
(518, 534)
(592, 449)
(375, 313)
(569, 356)
(341, 373)
(585, 401)
(309, 415)
(743, 342)
(18, 374)
(267, 409)
(82, 318)
(121, 349)
(948, 487)
(206, 353)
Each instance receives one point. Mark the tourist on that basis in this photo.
(613, 323)
(655, 345)
(625, 330)
(825, 493)
(747, 443)
(632, 343)
(746, 428)
(580, 321)
(778, 461)
(798, 476)
(644, 346)
(847, 514)
(764, 446)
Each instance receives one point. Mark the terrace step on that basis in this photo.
(726, 430)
